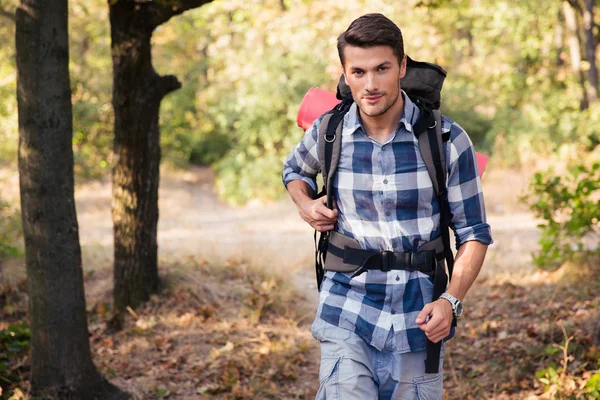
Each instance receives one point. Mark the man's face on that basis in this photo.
(373, 75)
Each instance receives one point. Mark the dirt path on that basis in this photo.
(194, 222)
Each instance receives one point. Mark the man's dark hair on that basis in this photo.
(372, 30)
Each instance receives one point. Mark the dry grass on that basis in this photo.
(513, 330)
(218, 332)
(213, 332)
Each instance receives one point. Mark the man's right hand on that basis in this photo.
(316, 213)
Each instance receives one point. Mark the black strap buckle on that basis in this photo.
(387, 260)
(423, 261)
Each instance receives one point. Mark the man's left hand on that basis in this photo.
(440, 321)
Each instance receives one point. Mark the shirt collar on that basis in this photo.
(410, 115)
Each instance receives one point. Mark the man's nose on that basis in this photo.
(371, 83)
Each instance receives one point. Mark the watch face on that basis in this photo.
(459, 309)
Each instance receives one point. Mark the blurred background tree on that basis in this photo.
(137, 94)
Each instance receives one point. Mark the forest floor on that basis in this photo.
(238, 296)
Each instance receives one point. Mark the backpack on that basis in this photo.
(423, 84)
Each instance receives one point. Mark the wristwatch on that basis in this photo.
(457, 307)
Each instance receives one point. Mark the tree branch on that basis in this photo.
(8, 15)
(168, 84)
(160, 14)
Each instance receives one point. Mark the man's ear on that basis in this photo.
(342, 88)
(403, 67)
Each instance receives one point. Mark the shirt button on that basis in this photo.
(393, 312)
(397, 278)
(388, 213)
(383, 148)
(385, 181)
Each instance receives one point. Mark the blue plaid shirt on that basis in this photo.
(386, 201)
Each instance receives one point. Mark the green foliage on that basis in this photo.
(252, 76)
(568, 381)
(162, 393)
(245, 66)
(592, 386)
(561, 385)
(549, 376)
(91, 86)
(570, 208)
(14, 343)
(10, 231)
(209, 150)
(243, 177)
(8, 87)
(475, 124)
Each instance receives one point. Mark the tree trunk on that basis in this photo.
(61, 363)
(137, 93)
(590, 49)
(559, 38)
(574, 49)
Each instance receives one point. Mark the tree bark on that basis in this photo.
(590, 49)
(61, 363)
(574, 50)
(137, 93)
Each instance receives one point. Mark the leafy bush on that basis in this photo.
(475, 124)
(561, 383)
(570, 207)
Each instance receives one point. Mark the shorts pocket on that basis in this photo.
(328, 378)
(429, 387)
(328, 367)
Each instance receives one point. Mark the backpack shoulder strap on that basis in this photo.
(330, 146)
(321, 146)
(431, 146)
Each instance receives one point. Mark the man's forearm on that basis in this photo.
(467, 265)
(299, 191)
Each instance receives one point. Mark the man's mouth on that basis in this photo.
(373, 98)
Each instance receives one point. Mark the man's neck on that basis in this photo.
(381, 127)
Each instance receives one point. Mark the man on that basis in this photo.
(373, 327)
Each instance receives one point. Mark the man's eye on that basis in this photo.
(358, 72)
(383, 68)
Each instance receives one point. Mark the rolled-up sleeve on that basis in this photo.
(303, 162)
(465, 195)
